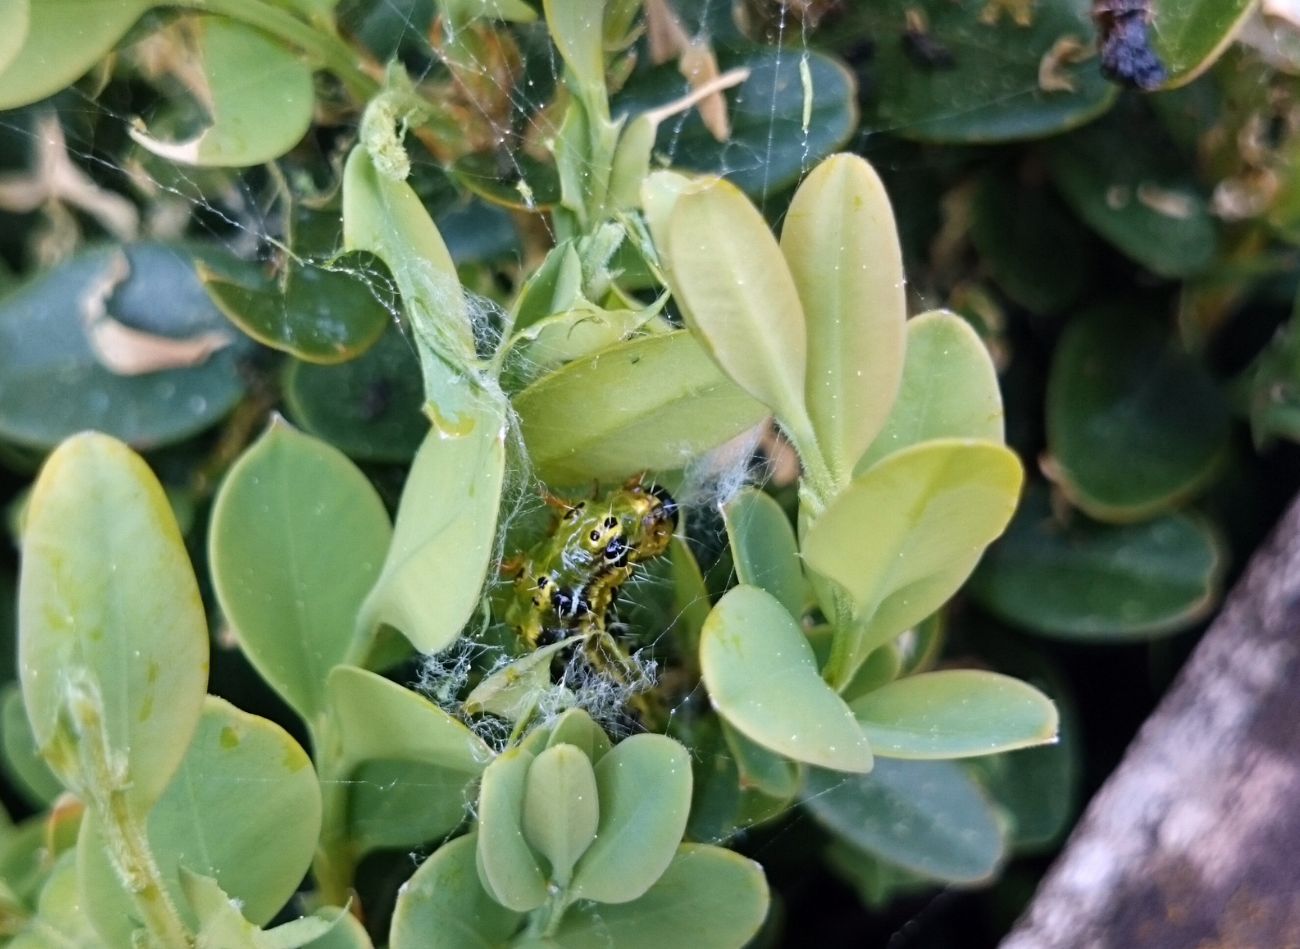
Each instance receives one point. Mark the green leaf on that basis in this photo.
(378, 719)
(54, 381)
(321, 311)
(387, 218)
(561, 808)
(22, 759)
(443, 540)
(962, 78)
(402, 805)
(762, 678)
(928, 817)
(64, 38)
(1189, 35)
(58, 922)
(368, 407)
(513, 690)
(292, 567)
(111, 626)
(576, 28)
(15, 15)
(841, 244)
(954, 713)
(906, 534)
(967, 404)
(673, 404)
(732, 284)
(222, 925)
(707, 898)
(1019, 226)
(1132, 188)
(1094, 582)
(507, 867)
(444, 906)
(244, 808)
(645, 798)
(763, 548)
(759, 768)
(769, 125)
(1134, 425)
(576, 727)
(239, 63)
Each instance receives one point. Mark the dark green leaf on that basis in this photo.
(1134, 425)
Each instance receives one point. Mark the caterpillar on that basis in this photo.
(567, 582)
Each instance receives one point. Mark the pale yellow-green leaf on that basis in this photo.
(443, 540)
(561, 808)
(732, 284)
(109, 618)
(508, 868)
(841, 245)
(955, 713)
(949, 388)
(906, 534)
(762, 678)
(577, 29)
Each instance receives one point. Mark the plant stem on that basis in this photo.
(125, 838)
(334, 863)
(328, 50)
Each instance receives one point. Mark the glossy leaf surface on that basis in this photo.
(645, 798)
(64, 38)
(1134, 425)
(763, 679)
(110, 617)
(954, 713)
(949, 388)
(928, 817)
(652, 403)
(1096, 582)
(54, 381)
(738, 296)
(841, 245)
(907, 533)
(238, 63)
(297, 539)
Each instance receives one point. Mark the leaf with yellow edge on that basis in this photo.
(906, 534)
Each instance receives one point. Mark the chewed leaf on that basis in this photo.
(239, 65)
(955, 713)
(513, 690)
(110, 617)
(762, 678)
